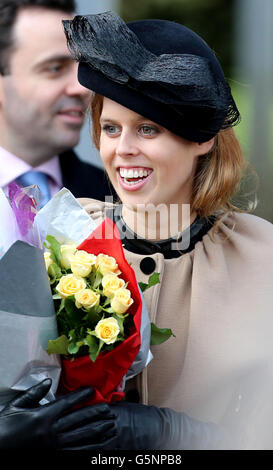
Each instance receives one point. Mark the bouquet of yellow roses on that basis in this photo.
(98, 307)
(91, 300)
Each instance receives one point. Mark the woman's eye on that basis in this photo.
(110, 129)
(148, 130)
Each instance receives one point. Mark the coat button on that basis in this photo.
(147, 265)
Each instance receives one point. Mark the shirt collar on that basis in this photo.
(12, 167)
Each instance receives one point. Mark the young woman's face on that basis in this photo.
(145, 162)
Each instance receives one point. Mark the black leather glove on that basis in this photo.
(25, 424)
(148, 427)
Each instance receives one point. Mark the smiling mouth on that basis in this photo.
(132, 176)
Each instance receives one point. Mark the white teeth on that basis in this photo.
(130, 183)
(134, 173)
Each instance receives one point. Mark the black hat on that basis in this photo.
(157, 68)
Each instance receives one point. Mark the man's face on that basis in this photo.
(42, 104)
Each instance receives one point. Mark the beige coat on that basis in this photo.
(218, 300)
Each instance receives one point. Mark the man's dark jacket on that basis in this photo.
(84, 179)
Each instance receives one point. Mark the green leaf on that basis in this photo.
(143, 286)
(58, 345)
(94, 346)
(54, 271)
(94, 314)
(108, 310)
(106, 302)
(73, 348)
(97, 280)
(73, 313)
(152, 281)
(55, 249)
(61, 307)
(120, 319)
(159, 335)
(56, 297)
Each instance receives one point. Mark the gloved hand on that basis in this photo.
(141, 427)
(26, 424)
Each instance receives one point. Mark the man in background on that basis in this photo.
(42, 105)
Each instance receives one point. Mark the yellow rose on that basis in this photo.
(70, 285)
(66, 252)
(107, 330)
(111, 283)
(48, 260)
(107, 264)
(121, 301)
(82, 262)
(86, 298)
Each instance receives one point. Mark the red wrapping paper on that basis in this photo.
(106, 373)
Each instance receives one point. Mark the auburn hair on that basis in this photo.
(218, 173)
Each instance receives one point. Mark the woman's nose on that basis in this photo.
(127, 145)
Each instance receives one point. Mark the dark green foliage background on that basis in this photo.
(211, 19)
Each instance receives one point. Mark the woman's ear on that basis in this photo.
(204, 147)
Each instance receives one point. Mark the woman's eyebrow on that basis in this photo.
(109, 121)
(135, 120)
(103, 119)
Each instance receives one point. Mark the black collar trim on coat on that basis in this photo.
(170, 248)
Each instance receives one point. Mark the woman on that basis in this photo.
(162, 120)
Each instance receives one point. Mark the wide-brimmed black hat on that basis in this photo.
(157, 68)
